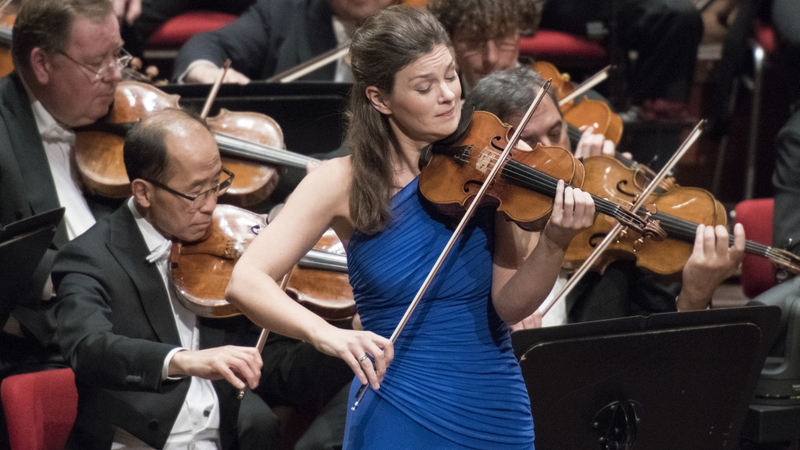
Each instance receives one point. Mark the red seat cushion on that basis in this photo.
(765, 36)
(756, 217)
(554, 46)
(40, 409)
(179, 29)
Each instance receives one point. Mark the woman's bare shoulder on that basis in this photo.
(326, 188)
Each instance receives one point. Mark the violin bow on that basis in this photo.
(215, 89)
(612, 235)
(262, 338)
(590, 82)
(311, 65)
(462, 224)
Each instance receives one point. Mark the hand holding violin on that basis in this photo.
(711, 262)
(595, 144)
(573, 211)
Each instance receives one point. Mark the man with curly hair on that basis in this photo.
(486, 33)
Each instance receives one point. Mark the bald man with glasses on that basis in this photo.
(151, 374)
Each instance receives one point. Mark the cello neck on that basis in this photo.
(233, 146)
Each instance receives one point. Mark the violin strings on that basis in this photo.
(537, 180)
(674, 226)
(546, 184)
(524, 174)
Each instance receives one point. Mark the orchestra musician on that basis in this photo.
(67, 57)
(623, 289)
(145, 367)
(273, 36)
(151, 374)
(486, 33)
(451, 379)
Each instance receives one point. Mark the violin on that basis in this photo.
(524, 190)
(201, 270)
(586, 113)
(249, 142)
(679, 211)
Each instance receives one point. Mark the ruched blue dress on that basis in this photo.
(454, 382)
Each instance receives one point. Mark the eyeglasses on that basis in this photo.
(503, 45)
(121, 61)
(201, 198)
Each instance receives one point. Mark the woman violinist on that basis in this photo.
(451, 379)
(623, 289)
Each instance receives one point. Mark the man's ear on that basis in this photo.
(141, 191)
(378, 100)
(40, 65)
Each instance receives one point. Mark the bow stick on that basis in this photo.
(457, 232)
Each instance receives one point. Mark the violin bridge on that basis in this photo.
(485, 160)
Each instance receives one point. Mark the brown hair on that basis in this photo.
(48, 24)
(384, 45)
(488, 19)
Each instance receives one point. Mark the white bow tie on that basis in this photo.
(161, 252)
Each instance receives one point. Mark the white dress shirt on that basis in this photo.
(58, 143)
(558, 312)
(197, 425)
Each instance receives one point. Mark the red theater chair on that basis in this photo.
(40, 408)
(756, 217)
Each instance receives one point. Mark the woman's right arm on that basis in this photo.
(319, 202)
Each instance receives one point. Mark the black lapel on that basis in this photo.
(128, 247)
(29, 151)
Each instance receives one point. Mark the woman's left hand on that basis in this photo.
(573, 211)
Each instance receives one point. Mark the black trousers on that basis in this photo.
(664, 33)
(623, 290)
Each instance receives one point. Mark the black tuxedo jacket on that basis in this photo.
(115, 327)
(270, 37)
(26, 189)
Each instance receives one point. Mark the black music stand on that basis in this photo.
(667, 381)
(22, 246)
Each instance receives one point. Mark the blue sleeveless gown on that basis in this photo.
(454, 382)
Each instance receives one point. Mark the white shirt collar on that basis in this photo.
(155, 241)
(49, 129)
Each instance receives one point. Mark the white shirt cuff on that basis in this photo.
(165, 369)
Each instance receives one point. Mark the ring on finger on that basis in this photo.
(363, 357)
